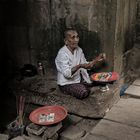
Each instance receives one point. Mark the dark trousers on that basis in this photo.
(78, 90)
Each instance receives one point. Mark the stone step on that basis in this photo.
(79, 130)
(72, 133)
(116, 131)
(126, 111)
(133, 91)
(120, 123)
(18, 138)
(95, 137)
(3, 137)
(40, 92)
(136, 82)
(43, 132)
(94, 106)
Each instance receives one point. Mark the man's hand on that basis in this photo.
(101, 57)
(89, 65)
(86, 65)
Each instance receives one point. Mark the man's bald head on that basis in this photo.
(69, 31)
(71, 38)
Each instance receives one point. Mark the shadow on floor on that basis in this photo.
(7, 108)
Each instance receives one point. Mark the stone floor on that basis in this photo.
(120, 123)
(44, 91)
(41, 91)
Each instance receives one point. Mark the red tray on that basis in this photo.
(59, 114)
(105, 76)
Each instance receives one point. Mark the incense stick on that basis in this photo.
(20, 109)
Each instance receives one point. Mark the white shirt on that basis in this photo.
(65, 61)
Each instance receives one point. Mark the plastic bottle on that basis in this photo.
(41, 70)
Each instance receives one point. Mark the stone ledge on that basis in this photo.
(44, 132)
(4, 137)
(114, 130)
(72, 133)
(94, 106)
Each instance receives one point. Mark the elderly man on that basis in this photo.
(72, 67)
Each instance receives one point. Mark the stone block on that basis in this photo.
(84, 2)
(34, 137)
(126, 111)
(54, 137)
(95, 137)
(35, 129)
(74, 119)
(72, 133)
(51, 130)
(87, 124)
(43, 132)
(31, 138)
(94, 106)
(4, 137)
(116, 131)
(136, 82)
(18, 138)
(133, 91)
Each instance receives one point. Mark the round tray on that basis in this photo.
(105, 77)
(59, 113)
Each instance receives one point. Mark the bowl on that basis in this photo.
(105, 77)
(48, 115)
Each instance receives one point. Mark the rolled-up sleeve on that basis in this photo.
(63, 65)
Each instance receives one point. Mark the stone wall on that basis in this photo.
(34, 29)
(131, 58)
(138, 20)
(124, 33)
(132, 64)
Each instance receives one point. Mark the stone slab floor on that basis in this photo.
(122, 122)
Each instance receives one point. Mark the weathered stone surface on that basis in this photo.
(52, 130)
(87, 124)
(36, 84)
(54, 137)
(3, 137)
(126, 111)
(74, 119)
(30, 138)
(43, 132)
(92, 15)
(133, 91)
(116, 131)
(95, 137)
(35, 129)
(94, 106)
(18, 138)
(136, 82)
(31, 107)
(72, 133)
(84, 125)
(89, 107)
(34, 137)
(132, 69)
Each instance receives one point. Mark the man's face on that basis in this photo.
(72, 39)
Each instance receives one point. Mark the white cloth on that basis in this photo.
(65, 61)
